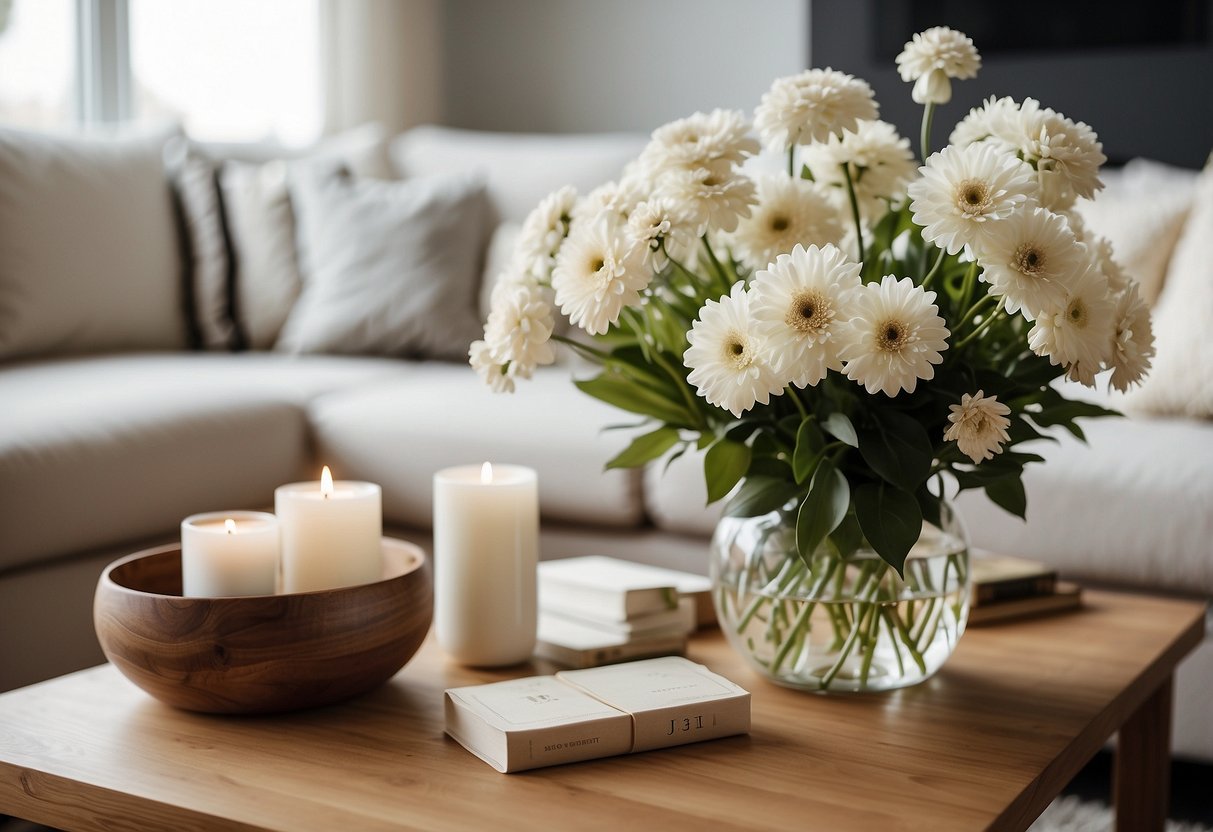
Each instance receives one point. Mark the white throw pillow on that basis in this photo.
(89, 257)
(1181, 382)
(518, 169)
(389, 268)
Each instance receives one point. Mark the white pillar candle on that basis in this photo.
(486, 548)
(231, 553)
(331, 533)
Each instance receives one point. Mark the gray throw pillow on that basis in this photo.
(389, 268)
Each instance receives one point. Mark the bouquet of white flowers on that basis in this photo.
(843, 333)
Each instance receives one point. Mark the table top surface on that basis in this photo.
(986, 743)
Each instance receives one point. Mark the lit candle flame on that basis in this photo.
(486, 474)
(229, 526)
(326, 482)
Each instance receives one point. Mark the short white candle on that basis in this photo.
(225, 554)
(331, 533)
(486, 548)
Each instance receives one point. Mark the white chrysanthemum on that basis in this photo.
(664, 230)
(808, 107)
(1028, 258)
(979, 426)
(789, 212)
(617, 199)
(963, 191)
(519, 327)
(1105, 260)
(1067, 154)
(1132, 341)
(699, 140)
(879, 160)
(933, 58)
(1077, 333)
(979, 124)
(494, 371)
(800, 305)
(715, 196)
(600, 270)
(895, 336)
(728, 361)
(543, 232)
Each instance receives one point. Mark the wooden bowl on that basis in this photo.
(264, 653)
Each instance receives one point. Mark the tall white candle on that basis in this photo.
(331, 533)
(230, 553)
(486, 548)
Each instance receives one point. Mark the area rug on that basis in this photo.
(1070, 814)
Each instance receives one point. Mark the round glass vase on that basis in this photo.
(838, 624)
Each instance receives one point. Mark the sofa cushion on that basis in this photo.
(102, 450)
(389, 268)
(519, 169)
(399, 433)
(88, 250)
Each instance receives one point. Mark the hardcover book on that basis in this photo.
(574, 644)
(613, 590)
(999, 578)
(584, 714)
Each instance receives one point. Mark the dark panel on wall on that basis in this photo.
(1146, 88)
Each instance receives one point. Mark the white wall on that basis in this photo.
(600, 65)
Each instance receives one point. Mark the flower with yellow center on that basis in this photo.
(599, 272)
(978, 426)
(800, 305)
(894, 338)
(1029, 258)
(728, 360)
(790, 212)
(1079, 332)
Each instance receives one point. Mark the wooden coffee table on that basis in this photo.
(986, 744)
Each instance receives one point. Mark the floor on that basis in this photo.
(1191, 792)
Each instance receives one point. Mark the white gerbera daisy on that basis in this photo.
(808, 107)
(543, 232)
(979, 124)
(789, 212)
(728, 361)
(715, 195)
(664, 230)
(979, 426)
(895, 336)
(494, 371)
(800, 305)
(1105, 260)
(1028, 259)
(1133, 340)
(880, 162)
(1067, 154)
(1077, 333)
(599, 272)
(699, 140)
(933, 58)
(618, 199)
(519, 327)
(964, 190)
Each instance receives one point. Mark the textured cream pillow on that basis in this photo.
(89, 257)
(389, 268)
(1181, 382)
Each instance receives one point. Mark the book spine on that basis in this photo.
(1022, 588)
(692, 722)
(572, 743)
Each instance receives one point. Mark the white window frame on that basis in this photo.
(103, 66)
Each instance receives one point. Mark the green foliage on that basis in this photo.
(646, 448)
(890, 519)
(725, 463)
(822, 510)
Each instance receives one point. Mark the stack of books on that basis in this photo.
(598, 610)
(1007, 587)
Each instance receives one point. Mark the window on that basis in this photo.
(227, 70)
(38, 63)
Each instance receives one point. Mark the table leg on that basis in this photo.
(1141, 784)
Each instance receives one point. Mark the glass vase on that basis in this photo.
(839, 624)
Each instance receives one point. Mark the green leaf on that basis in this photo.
(1008, 494)
(1067, 411)
(646, 448)
(809, 444)
(616, 390)
(840, 427)
(823, 508)
(724, 465)
(759, 495)
(929, 504)
(891, 520)
(848, 536)
(899, 450)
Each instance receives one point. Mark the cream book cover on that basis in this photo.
(573, 644)
(672, 700)
(539, 721)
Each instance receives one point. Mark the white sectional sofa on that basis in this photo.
(104, 453)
